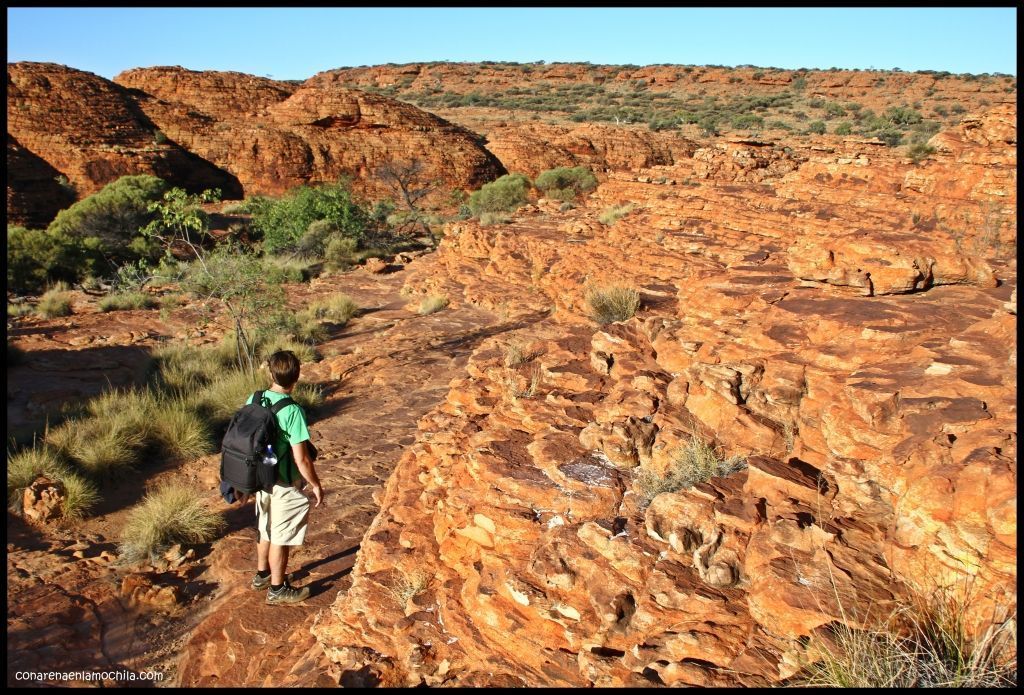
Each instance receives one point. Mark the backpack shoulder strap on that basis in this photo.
(281, 405)
(257, 398)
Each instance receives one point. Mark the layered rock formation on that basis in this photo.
(838, 318)
(533, 148)
(63, 122)
(274, 136)
(71, 132)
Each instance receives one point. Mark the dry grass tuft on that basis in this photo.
(611, 304)
(55, 302)
(432, 304)
(171, 514)
(610, 216)
(693, 463)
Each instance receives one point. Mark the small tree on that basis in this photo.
(409, 181)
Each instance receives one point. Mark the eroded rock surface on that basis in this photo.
(823, 314)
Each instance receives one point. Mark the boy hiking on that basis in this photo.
(281, 515)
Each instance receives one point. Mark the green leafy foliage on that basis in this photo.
(505, 194)
(36, 258)
(285, 223)
(565, 183)
(110, 220)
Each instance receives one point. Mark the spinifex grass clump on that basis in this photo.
(127, 300)
(611, 304)
(432, 304)
(926, 643)
(170, 514)
(693, 463)
(55, 302)
(565, 183)
(610, 216)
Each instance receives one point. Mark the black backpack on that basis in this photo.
(251, 429)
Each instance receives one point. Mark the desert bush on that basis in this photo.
(314, 241)
(127, 300)
(817, 127)
(565, 183)
(223, 396)
(305, 351)
(692, 463)
(236, 280)
(844, 128)
(180, 431)
(923, 643)
(340, 253)
(747, 121)
(337, 308)
(919, 151)
(283, 223)
(183, 369)
(505, 194)
(432, 304)
(114, 217)
(20, 309)
(106, 446)
(55, 302)
(613, 214)
(168, 515)
(284, 269)
(611, 304)
(37, 257)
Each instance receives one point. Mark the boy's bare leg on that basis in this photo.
(262, 556)
(278, 558)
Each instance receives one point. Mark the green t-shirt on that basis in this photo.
(291, 429)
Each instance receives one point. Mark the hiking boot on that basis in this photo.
(288, 594)
(260, 583)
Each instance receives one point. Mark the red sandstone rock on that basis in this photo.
(274, 136)
(878, 427)
(88, 130)
(43, 500)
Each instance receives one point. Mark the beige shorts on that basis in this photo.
(281, 516)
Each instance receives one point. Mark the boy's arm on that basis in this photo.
(308, 471)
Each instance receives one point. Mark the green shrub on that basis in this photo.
(170, 514)
(611, 304)
(613, 214)
(506, 194)
(799, 84)
(55, 302)
(844, 128)
(113, 216)
(314, 241)
(692, 463)
(919, 151)
(747, 121)
(340, 253)
(285, 222)
(432, 304)
(127, 300)
(565, 183)
(38, 257)
(817, 127)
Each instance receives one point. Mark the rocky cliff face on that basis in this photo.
(243, 134)
(835, 316)
(274, 136)
(86, 129)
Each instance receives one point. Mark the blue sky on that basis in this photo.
(291, 43)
